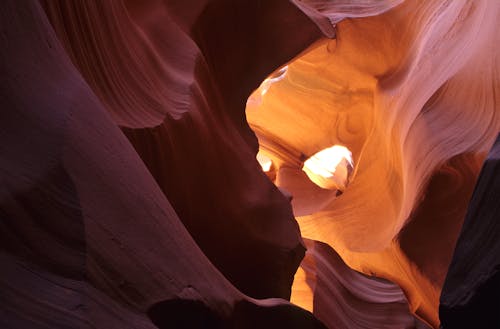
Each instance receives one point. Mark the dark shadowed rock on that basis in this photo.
(471, 293)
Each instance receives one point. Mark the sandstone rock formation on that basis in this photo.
(413, 93)
(130, 193)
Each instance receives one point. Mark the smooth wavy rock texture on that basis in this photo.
(88, 238)
(193, 156)
(413, 93)
(130, 193)
(343, 298)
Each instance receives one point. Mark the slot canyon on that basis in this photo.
(228, 164)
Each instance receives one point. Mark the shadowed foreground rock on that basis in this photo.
(471, 292)
(175, 77)
(88, 238)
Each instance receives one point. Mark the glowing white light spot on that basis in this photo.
(330, 168)
(264, 161)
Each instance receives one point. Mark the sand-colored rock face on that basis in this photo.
(413, 93)
(130, 192)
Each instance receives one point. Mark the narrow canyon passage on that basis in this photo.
(249, 164)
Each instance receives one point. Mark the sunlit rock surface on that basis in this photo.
(131, 195)
(413, 92)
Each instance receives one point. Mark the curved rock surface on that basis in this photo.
(343, 298)
(88, 239)
(193, 154)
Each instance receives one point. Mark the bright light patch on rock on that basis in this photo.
(330, 168)
(264, 161)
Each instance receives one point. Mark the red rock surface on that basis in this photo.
(88, 236)
(186, 68)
